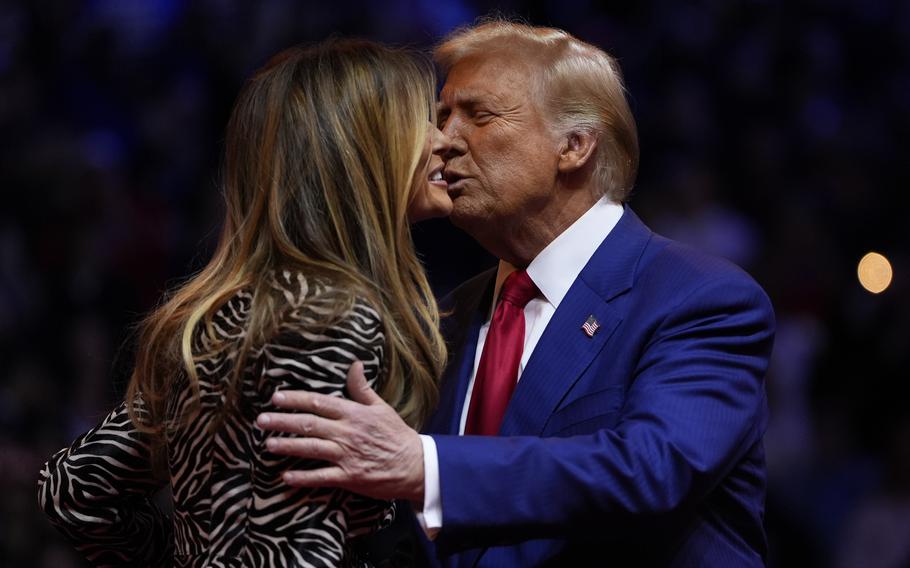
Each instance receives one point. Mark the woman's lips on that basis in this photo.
(436, 178)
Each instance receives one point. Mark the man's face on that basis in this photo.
(501, 168)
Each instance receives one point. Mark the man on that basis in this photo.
(633, 435)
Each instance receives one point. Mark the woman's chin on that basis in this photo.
(445, 210)
(442, 205)
(434, 211)
(434, 204)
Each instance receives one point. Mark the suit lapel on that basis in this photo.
(561, 356)
(565, 350)
(469, 306)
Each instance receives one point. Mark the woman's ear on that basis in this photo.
(576, 151)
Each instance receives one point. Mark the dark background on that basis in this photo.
(772, 133)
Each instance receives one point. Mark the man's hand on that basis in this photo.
(369, 448)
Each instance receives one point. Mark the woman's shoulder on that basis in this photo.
(324, 319)
(302, 308)
(315, 302)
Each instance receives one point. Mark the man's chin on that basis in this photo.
(459, 216)
(467, 219)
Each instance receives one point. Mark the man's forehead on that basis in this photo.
(483, 78)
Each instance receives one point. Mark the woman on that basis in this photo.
(328, 156)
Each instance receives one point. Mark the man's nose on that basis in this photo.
(448, 143)
(441, 143)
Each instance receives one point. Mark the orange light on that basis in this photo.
(874, 272)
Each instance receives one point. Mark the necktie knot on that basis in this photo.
(518, 289)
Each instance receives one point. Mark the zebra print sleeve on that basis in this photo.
(318, 361)
(97, 493)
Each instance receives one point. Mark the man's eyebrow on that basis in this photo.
(468, 97)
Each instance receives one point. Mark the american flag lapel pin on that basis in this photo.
(590, 326)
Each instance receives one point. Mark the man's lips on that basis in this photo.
(455, 180)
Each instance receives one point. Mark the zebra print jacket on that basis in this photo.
(231, 507)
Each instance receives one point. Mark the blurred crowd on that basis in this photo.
(774, 133)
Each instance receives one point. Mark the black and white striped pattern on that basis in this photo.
(231, 507)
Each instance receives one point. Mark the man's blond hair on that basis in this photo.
(579, 86)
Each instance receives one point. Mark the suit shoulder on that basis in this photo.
(673, 266)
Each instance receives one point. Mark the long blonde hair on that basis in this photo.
(324, 150)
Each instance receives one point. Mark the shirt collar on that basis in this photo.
(560, 262)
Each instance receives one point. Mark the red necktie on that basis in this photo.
(497, 372)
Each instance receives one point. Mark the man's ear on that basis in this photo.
(577, 150)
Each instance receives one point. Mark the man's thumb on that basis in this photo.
(358, 388)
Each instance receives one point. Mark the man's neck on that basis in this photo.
(524, 240)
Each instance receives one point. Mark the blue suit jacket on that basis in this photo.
(639, 446)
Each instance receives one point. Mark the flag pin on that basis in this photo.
(590, 326)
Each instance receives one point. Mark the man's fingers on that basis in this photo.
(308, 425)
(308, 448)
(358, 387)
(314, 403)
(323, 477)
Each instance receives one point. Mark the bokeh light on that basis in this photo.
(874, 272)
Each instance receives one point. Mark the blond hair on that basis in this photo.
(323, 153)
(579, 86)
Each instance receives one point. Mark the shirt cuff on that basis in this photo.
(430, 518)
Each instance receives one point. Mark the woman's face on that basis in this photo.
(431, 196)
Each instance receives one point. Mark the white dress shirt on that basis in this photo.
(553, 271)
